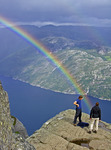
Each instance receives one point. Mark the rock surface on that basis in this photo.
(18, 127)
(59, 134)
(5, 121)
(9, 139)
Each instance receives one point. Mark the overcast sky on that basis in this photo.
(41, 12)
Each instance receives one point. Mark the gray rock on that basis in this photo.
(103, 144)
(18, 127)
(21, 143)
(8, 139)
(59, 133)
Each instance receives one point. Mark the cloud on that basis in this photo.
(58, 11)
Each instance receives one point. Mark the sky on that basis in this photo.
(57, 12)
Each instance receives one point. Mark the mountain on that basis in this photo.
(79, 36)
(91, 69)
(87, 59)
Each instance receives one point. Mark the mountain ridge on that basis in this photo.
(29, 65)
(32, 67)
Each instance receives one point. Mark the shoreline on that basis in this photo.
(74, 93)
(58, 91)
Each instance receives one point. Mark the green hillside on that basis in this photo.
(91, 69)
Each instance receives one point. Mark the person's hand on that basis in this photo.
(77, 105)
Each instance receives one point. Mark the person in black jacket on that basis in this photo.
(95, 116)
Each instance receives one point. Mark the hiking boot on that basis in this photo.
(95, 131)
(74, 124)
(89, 132)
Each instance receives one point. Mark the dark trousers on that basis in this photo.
(78, 114)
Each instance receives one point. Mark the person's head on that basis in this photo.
(97, 104)
(80, 97)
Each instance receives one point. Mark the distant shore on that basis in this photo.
(57, 90)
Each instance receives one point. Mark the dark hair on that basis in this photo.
(97, 104)
(80, 96)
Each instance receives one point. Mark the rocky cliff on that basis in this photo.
(12, 131)
(59, 134)
(5, 121)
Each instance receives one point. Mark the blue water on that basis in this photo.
(33, 105)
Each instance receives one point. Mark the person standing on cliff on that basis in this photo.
(95, 116)
(78, 109)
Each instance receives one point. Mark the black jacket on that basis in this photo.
(95, 112)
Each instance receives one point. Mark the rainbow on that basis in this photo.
(35, 43)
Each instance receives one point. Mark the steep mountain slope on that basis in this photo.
(91, 70)
(85, 51)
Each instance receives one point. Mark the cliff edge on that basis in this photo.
(12, 131)
(59, 133)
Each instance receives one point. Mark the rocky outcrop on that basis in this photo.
(6, 139)
(59, 134)
(12, 134)
(18, 127)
